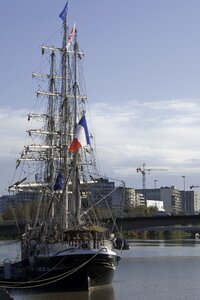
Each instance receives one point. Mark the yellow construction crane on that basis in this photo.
(143, 171)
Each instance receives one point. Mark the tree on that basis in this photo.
(140, 211)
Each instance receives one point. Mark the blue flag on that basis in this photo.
(59, 183)
(63, 14)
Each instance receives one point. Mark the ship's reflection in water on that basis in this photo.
(99, 293)
(102, 293)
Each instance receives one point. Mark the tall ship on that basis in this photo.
(64, 244)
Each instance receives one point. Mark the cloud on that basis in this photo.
(12, 131)
(162, 134)
(12, 136)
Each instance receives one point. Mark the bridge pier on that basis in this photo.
(152, 234)
(167, 234)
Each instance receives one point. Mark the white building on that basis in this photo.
(158, 204)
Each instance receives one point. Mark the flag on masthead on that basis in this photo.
(81, 136)
(63, 14)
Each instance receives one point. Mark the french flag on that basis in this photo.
(71, 35)
(81, 136)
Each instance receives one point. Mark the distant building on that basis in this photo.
(132, 198)
(102, 189)
(118, 202)
(158, 204)
(150, 194)
(166, 198)
(189, 202)
(119, 199)
(171, 198)
(140, 199)
(6, 202)
(126, 199)
(152, 197)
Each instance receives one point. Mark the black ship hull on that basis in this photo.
(66, 272)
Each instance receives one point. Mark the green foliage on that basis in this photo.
(22, 211)
(140, 211)
(8, 215)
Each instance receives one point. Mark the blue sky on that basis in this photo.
(142, 73)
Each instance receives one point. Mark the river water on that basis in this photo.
(150, 270)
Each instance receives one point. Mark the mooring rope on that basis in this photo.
(48, 280)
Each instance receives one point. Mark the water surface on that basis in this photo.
(150, 270)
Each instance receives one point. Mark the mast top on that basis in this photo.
(63, 14)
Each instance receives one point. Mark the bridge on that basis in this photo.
(156, 223)
(141, 223)
(9, 229)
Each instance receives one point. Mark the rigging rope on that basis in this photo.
(49, 280)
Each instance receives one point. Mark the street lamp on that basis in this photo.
(184, 198)
(155, 183)
(183, 182)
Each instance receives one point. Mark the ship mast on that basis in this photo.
(65, 111)
(52, 157)
(51, 125)
(76, 180)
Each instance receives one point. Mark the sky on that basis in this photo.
(142, 73)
